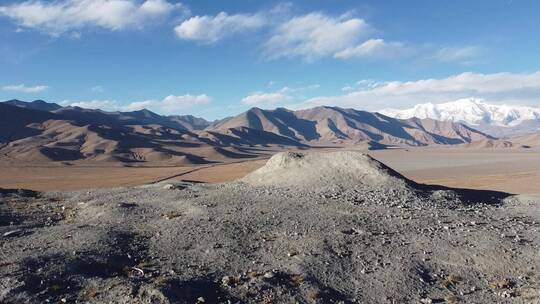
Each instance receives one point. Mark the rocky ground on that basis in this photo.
(306, 228)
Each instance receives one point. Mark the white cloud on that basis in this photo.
(57, 17)
(300, 89)
(106, 105)
(509, 88)
(376, 48)
(464, 55)
(210, 29)
(315, 35)
(170, 104)
(279, 97)
(21, 88)
(266, 99)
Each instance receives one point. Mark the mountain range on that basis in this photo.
(496, 120)
(333, 125)
(40, 131)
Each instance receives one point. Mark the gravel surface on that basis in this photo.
(307, 228)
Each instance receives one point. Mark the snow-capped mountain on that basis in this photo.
(499, 120)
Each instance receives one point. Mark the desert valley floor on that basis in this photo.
(510, 170)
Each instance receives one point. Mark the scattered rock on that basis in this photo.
(127, 205)
(269, 275)
(13, 233)
(226, 280)
(174, 187)
(172, 214)
(349, 231)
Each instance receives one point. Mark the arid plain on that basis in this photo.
(510, 170)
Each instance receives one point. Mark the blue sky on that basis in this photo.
(217, 58)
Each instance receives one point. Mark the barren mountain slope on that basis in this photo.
(280, 121)
(518, 142)
(189, 122)
(337, 125)
(75, 134)
(60, 140)
(491, 144)
(15, 121)
(446, 132)
(96, 116)
(117, 119)
(244, 136)
(531, 140)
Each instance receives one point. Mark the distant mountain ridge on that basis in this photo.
(74, 134)
(498, 120)
(78, 134)
(190, 122)
(34, 105)
(187, 122)
(338, 125)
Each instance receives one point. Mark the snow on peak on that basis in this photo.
(472, 111)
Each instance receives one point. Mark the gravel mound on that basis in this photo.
(322, 170)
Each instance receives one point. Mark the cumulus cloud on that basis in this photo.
(21, 88)
(511, 88)
(266, 99)
(309, 36)
(315, 35)
(170, 104)
(210, 29)
(280, 97)
(106, 105)
(57, 17)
